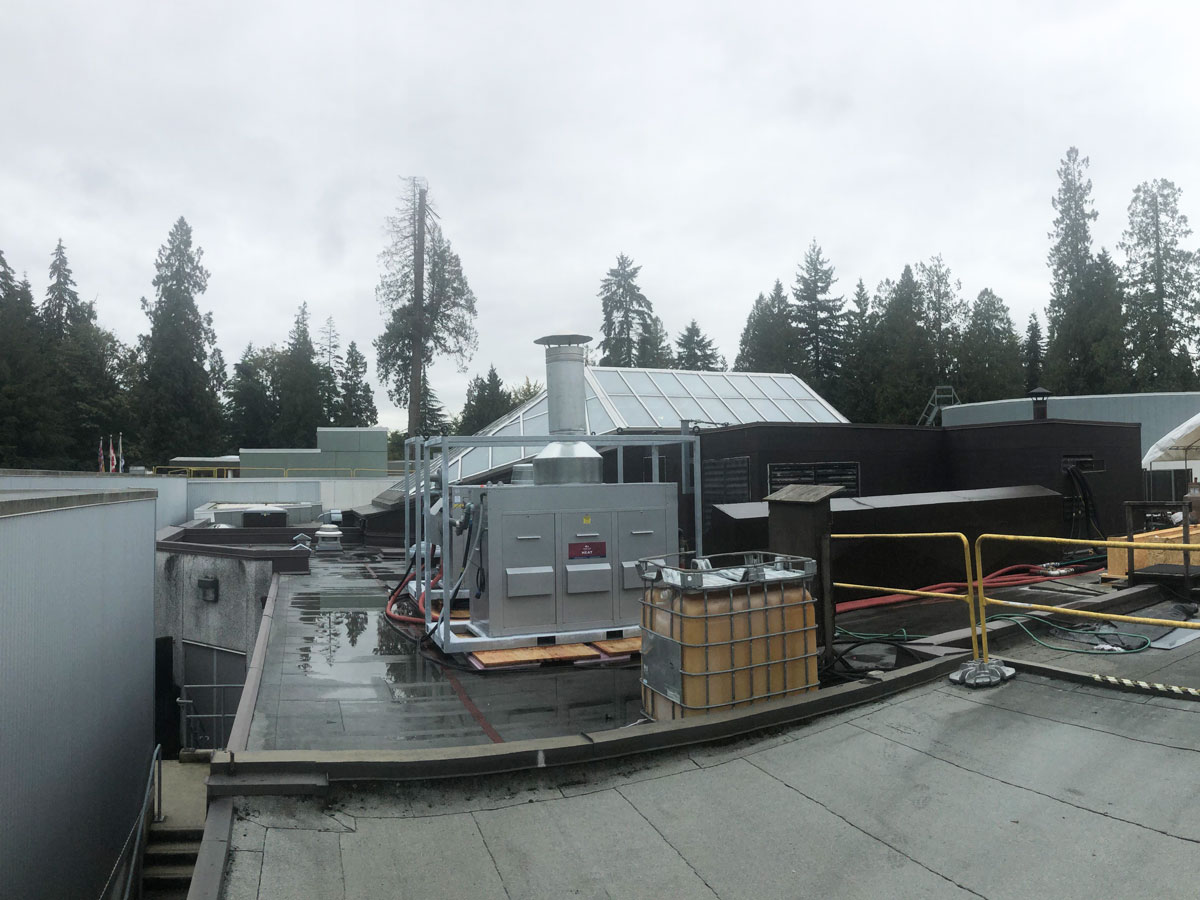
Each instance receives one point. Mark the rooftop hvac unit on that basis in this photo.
(264, 517)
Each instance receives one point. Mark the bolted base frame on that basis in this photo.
(975, 673)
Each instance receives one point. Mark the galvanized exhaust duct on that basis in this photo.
(566, 462)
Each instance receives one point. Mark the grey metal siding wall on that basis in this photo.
(275, 463)
(76, 692)
(251, 490)
(1157, 413)
(171, 508)
(1018, 410)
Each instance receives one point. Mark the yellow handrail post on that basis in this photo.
(973, 592)
(983, 640)
(966, 545)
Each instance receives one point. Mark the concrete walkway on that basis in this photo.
(1035, 789)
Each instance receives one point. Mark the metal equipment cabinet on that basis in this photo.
(563, 558)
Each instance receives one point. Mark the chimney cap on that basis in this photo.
(1040, 393)
(554, 340)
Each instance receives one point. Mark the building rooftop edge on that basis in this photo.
(13, 503)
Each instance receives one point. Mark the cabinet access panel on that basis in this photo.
(560, 558)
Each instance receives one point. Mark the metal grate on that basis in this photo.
(844, 474)
(726, 480)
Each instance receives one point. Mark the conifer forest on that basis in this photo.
(1111, 320)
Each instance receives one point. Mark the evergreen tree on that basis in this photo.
(945, 317)
(768, 342)
(487, 400)
(432, 421)
(626, 313)
(441, 322)
(87, 395)
(8, 279)
(654, 346)
(62, 309)
(853, 393)
(301, 411)
(218, 372)
(1033, 350)
(820, 323)
(1085, 314)
(991, 353)
(218, 379)
(252, 408)
(1161, 277)
(180, 410)
(526, 391)
(329, 361)
(29, 429)
(356, 400)
(748, 343)
(433, 414)
(395, 444)
(905, 376)
(1102, 366)
(696, 352)
(90, 378)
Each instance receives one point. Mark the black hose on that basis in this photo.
(1087, 499)
(448, 598)
(396, 590)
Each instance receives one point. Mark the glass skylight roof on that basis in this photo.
(656, 400)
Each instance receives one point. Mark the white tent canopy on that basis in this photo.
(1180, 444)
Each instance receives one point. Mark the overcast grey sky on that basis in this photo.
(709, 141)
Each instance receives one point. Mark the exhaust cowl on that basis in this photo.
(567, 462)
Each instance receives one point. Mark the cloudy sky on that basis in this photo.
(710, 141)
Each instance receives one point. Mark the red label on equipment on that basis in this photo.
(588, 550)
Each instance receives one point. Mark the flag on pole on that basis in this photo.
(120, 451)
(112, 456)
(100, 455)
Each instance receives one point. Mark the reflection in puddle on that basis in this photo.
(334, 639)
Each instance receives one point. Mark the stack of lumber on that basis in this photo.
(1118, 557)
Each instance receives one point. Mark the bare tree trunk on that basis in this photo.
(418, 332)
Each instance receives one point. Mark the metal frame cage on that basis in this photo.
(420, 461)
(726, 631)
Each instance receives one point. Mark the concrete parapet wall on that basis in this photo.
(179, 612)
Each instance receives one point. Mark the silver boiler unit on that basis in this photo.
(553, 559)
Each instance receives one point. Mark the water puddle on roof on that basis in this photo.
(390, 688)
(317, 601)
(353, 646)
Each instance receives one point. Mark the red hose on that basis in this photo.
(1007, 577)
(389, 608)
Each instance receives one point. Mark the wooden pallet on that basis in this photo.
(533, 656)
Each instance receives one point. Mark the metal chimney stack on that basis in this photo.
(565, 358)
(566, 462)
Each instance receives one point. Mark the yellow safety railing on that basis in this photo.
(195, 471)
(268, 471)
(970, 581)
(985, 601)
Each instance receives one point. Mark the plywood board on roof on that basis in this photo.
(804, 493)
(524, 656)
(619, 647)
